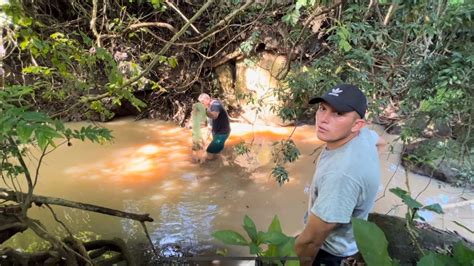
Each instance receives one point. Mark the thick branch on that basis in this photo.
(152, 24)
(226, 20)
(182, 15)
(390, 12)
(11, 195)
(227, 58)
(93, 20)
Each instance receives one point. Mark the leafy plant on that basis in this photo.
(241, 148)
(413, 61)
(277, 244)
(414, 206)
(373, 247)
(283, 152)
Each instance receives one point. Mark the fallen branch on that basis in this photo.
(12, 196)
(152, 24)
(457, 204)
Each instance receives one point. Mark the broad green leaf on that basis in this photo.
(230, 237)
(272, 251)
(275, 225)
(260, 236)
(250, 228)
(371, 242)
(292, 262)
(24, 131)
(433, 259)
(409, 201)
(274, 237)
(287, 248)
(462, 254)
(35, 117)
(254, 249)
(434, 208)
(42, 139)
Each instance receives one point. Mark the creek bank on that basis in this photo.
(446, 169)
(400, 245)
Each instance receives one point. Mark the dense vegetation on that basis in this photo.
(74, 60)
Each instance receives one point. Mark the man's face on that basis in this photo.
(333, 126)
(206, 102)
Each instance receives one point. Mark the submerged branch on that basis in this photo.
(12, 196)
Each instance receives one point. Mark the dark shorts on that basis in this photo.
(217, 143)
(327, 259)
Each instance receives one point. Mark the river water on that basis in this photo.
(147, 169)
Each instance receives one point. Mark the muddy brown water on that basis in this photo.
(147, 169)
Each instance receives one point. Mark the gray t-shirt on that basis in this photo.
(344, 185)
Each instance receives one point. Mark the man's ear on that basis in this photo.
(358, 125)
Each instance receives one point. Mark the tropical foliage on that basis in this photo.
(278, 245)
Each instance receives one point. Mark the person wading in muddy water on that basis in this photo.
(346, 179)
(199, 132)
(220, 125)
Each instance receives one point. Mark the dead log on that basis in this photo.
(9, 222)
(400, 245)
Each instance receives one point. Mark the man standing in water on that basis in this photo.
(220, 124)
(346, 180)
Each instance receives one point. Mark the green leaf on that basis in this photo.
(230, 237)
(222, 252)
(462, 254)
(371, 242)
(291, 18)
(287, 248)
(156, 3)
(433, 259)
(272, 251)
(275, 225)
(301, 3)
(292, 262)
(42, 139)
(250, 228)
(434, 208)
(273, 237)
(172, 62)
(254, 249)
(35, 117)
(409, 201)
(24, 131)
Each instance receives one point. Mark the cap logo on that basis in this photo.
(335, 92)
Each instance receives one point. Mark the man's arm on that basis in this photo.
(312, 238)
(212, 114)
(381, 144)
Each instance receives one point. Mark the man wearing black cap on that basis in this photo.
(346, 179)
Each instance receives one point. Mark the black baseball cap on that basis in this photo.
(344, 98)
